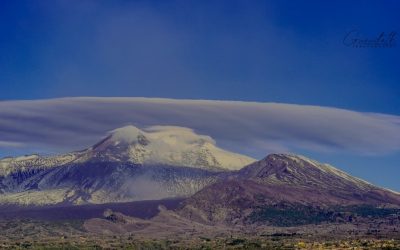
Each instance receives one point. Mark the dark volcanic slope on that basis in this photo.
(139, 209)
(283, 182)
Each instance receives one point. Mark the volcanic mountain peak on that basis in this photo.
(156, 145)
(166, 145)
(299, 170)
(128, 164)
(278, 181)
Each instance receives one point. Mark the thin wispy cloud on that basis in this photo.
(6, 144)
(73, 123)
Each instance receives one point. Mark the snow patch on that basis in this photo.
(36, 197)
(128, 134)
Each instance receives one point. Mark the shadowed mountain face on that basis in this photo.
(282, 183)
(103, 182)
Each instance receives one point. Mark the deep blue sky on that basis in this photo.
(279, 51)
(269, 51)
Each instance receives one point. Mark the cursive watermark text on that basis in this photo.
(356, 39)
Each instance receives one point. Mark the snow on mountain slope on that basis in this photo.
(103, 182)
(170, 145)
(30, 162)
(299, 171)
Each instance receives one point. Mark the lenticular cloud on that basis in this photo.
(73, 123)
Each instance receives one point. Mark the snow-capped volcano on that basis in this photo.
(128, 164)
(167, 145)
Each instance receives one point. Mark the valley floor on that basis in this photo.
(38, 234)
(146, 225)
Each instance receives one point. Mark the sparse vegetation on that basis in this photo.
(34, 234)
(302, 215)
(215, 243)
(288, 217)
(367, 210)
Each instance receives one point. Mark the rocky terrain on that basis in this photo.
(71, 235)
(170, 231)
